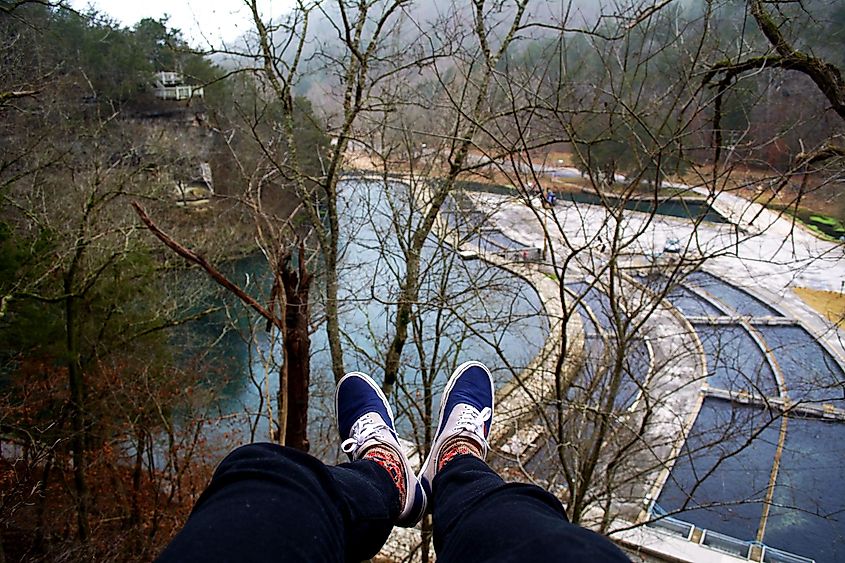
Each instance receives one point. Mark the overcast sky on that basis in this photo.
(201, 21)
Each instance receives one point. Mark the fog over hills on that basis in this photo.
(544, 18)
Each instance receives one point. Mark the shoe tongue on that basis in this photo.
(372, 423)
(469, 411)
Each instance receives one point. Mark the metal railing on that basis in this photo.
(721, 542)
(772, 555)
(727, 544)
(178, 92)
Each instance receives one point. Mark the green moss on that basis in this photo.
(825, 226)
(824, 220)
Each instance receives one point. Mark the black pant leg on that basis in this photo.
(479, 517)
(269, 503)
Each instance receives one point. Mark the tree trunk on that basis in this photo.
(39, 543)
(332, 308)
(77, 400)
(297, 350)
(137, 475)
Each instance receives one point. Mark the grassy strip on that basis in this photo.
(831, 304)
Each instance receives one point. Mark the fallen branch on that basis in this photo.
(16, 94)
(821, 154)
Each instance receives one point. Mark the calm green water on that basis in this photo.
(674, 207)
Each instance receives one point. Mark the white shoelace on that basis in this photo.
(473, 421)
(364, 429)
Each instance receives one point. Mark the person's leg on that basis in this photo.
(479, 517)
(267, 502)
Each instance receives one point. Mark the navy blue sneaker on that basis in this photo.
(365, 422)
(466, 412)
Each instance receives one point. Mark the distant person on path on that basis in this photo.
(270, 503)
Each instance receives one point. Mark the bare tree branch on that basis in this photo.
(205, 265)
